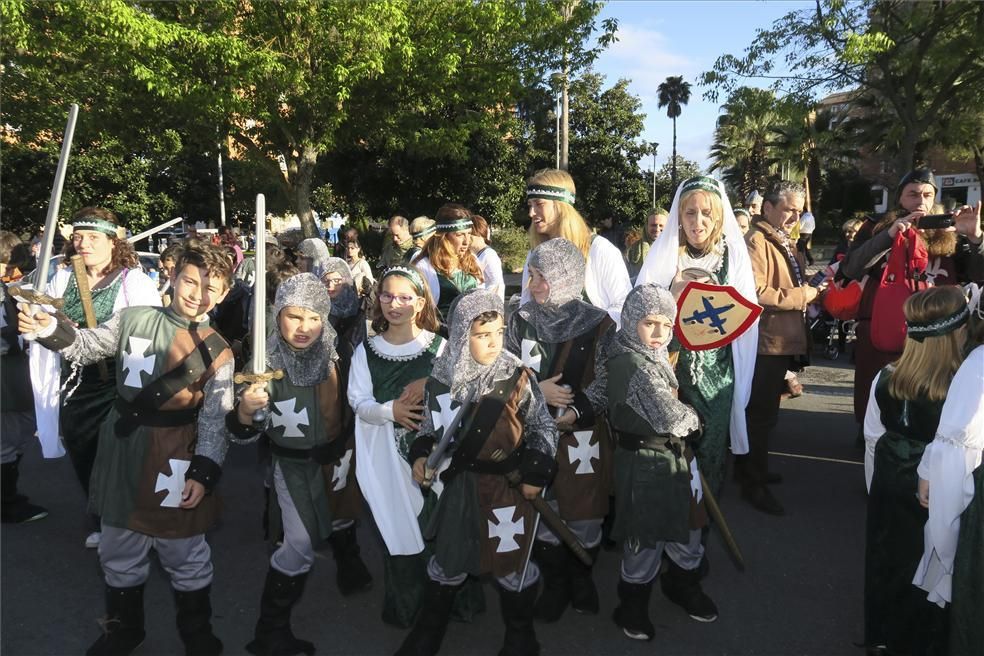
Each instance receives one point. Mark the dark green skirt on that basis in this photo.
(967, 605)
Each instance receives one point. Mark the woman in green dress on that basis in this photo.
(446, 262)
(702, 241)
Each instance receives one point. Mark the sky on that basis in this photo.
(658, 39)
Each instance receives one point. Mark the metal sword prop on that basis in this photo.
(259, 373)
(35, 294)
(529, 552)
(437, 454)
(153, 231)
(85, 295)
(715, 512)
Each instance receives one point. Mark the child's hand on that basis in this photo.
(556, 396)
(32, 323)
(192, 494)
(566, 422)
(409, 415)
(254, 397)
(529, 491)
(420, 470)
(923, 493)
(413, 393)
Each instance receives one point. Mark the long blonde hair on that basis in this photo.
(573, 227)
(717, 213)
(926, 368)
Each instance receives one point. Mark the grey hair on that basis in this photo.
(398, 220)
(421, 223)
(782, 189)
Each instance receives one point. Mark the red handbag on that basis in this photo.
(843, 298)
(903, 276)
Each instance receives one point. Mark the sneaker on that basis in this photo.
(93, 539)
(635, 635)
(22, 511)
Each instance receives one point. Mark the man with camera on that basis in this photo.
(955, 246)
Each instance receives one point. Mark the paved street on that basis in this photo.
(801, 593)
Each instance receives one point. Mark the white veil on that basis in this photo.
(660, 267)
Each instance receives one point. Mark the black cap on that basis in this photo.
(918, 176)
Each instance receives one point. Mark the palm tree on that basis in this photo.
(743, 139)
(674, 93)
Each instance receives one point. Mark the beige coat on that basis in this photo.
(782, 326)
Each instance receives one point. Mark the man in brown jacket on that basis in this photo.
(780, 280)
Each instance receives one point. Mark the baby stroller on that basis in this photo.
(834, 333)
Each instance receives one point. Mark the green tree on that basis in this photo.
(919, 64)
(743, 139)
(674, 93)
(665, 187)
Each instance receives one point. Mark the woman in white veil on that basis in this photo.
(716, 382)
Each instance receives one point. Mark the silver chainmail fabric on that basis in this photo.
(317, 251)
(308, 366)
(346, 304)
(656, 379)
(456, 368)
(564, 315)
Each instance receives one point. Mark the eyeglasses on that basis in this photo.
(331, 282)
(403, 299)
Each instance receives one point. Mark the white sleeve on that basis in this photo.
(873, 430)
(430, 275)
(492, 270)
(524, 289)
(137, 289)
(360, 395)
(607, 280)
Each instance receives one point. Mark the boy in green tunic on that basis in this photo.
(174, 388)
(304, 427)
(658, 490)
(482, 524)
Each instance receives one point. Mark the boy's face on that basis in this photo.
(539, 287)
(485, 340)
(654, 330)
(196, 292)
(300, 327)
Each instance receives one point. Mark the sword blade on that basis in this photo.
(153, 231)
(54, 203)
(715, 512)
(259, 289)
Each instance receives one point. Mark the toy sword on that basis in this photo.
(258, 371)
(85, 295)
(34, 294)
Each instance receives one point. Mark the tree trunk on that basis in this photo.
(564, 122)
(673, 171)
(301, 175)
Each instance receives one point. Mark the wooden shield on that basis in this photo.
(710, 316)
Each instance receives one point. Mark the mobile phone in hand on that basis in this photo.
(934, 221)
(817, 279)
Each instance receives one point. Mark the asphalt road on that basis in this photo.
(801, 592)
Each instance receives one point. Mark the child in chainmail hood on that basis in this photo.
(304, 429)
(657, 484)
(481, 524)
(561, 337)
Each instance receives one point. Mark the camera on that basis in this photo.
(934, 221)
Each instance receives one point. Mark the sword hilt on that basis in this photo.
(264, 377)
(34, 297)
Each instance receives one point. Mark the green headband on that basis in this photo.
(461, 225)
(703, 183)
(919, 330)
(409, 274)
(741, 210)
(96, 224)
(426, 232)
(550, 193)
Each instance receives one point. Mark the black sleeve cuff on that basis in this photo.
(421, 447)
(62, 338)
(585, 413)
(239, 430)
(695, 435)
(204, 470)
(536, 468)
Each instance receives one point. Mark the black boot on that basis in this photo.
(353, 575)
(124, 624)
(552, 561)
(15, 508)
(517, 615)
(682, 587)
(194, 622)
(428, 632)
(273, 636)
(632, 614)
(584, 595)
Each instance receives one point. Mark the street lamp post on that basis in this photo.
(655, 146)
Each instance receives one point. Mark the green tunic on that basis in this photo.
(707, 383)
(653, 493)
(297, 422)
(967, 604)
(452, 287)
(897, 613)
